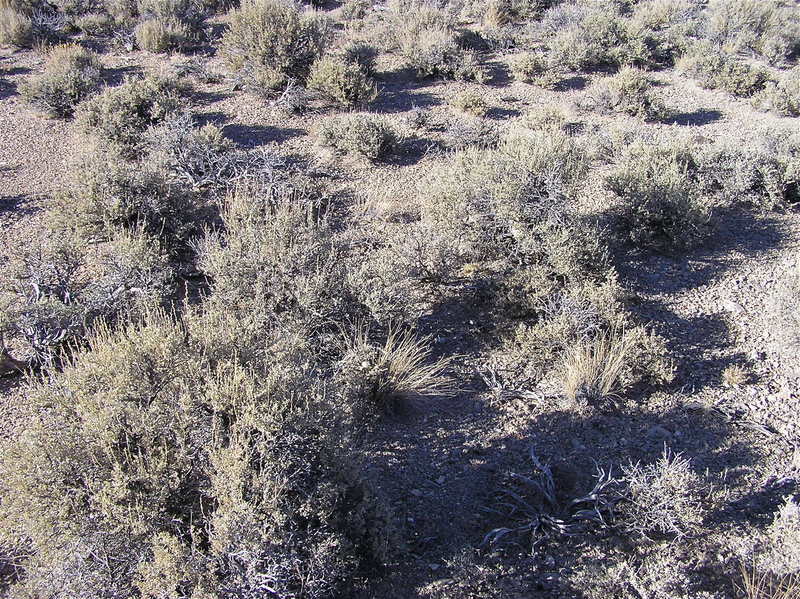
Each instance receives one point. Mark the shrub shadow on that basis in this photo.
(259, 135)
(7, 89)
(697, 118)
(117, 76)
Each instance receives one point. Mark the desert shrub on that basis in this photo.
(367, 135)
(713, 67)
(780, 550)
(132, 274)
(665, 496)
(197, 156)
(45, 284)
(660, 200)
(470, 102)
(666, 27)
(194, 478)
(276, 261)
(467, 132)
(58, 289)
(71, 74)
(161, 35)
(628, 91)
(768, 28)
(533, 67)
(16, 28)
(429, 44)
(96, 24)
(107, 191)
(342, 82)
(597, 39)
(269, 42)
(362, 55)
(122, 114)
(392, 376)
(783, 96)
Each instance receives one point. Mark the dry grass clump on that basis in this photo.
(592, 370)
(269, 42)
(342, 81)
(664, 496)
(71, 74)
(16, 28)
(763, 585)
(391, 377)
(368, 135)
(191, 477)
(121, 114)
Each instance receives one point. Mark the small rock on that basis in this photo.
(477, 407)
(733, 307)
(417, 493)
(434, 567)
(659, 431)
(455, 454)
(440, 480)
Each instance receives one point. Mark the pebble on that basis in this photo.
(416, 493)
(440, 480)
(733, 307)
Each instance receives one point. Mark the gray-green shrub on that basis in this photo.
(342, 82)
(71, 74)
(367, 135)
(269, 42)
(122, 114)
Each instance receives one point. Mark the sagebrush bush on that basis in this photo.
(107, 191)
(197, 156)
(367, 135)
(598, 38)
(361, 54)
(60, 288)
(781, 96)
(714, 67)
(71, 74)
(661, 203)
(269, 42)
(767, 28)
(161, 35)
(429, 43)
(122, 114)
(470, 102)
(629, 91)
(342, 82)
(276, 260)
(195, 477)
(664, 496)
(533, 67)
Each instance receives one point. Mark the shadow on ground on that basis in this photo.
(697, 118)
(258, 135)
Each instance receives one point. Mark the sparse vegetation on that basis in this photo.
(261, 325)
